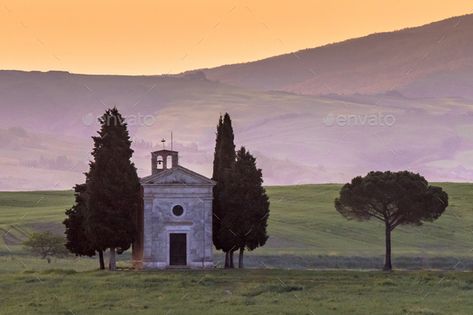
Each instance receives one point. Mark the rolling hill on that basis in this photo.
(418, 62)
(399, 100)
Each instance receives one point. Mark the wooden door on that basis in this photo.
(177, 249)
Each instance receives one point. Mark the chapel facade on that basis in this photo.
(175, 221)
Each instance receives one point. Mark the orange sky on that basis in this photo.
(154, 36)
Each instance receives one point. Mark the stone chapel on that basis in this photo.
(175, 222)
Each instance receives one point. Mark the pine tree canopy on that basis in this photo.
(113, 186)
(394, 198)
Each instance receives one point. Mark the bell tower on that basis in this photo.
(163, 159)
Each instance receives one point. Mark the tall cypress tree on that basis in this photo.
(113, 187)
(216, 220)
(76, 238)
(224, 158)
(244, 226)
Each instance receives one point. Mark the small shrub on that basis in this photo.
(46, 245)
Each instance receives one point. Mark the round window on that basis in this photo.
(177, 210)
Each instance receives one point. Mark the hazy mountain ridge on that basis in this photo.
(49, 117)
(369, 65)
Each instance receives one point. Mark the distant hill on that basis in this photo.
(435, 60)
(285, 110)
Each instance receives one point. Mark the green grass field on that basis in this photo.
(304, 223)
(305, 230)
(236, 292)
(305, 233)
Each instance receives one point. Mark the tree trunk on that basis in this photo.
(240, 257)
(387, 260)
(102, 264)
(227, 262)
(112, 265)
(231, 259)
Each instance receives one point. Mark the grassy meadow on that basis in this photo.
(305, 230)
(252, 291)
(284, 277)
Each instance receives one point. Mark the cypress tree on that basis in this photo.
(224, 158)
(76, 238)
(244, 226)
(216, 220)
(113, 188)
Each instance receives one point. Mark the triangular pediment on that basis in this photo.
(177, 175)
